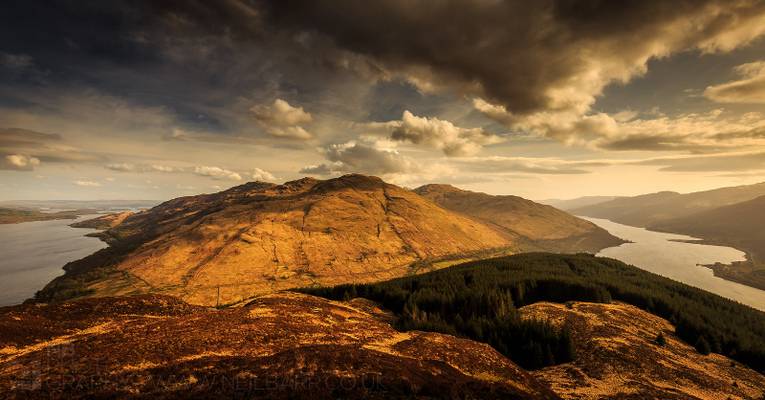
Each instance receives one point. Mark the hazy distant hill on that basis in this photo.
(578, 202)
(261, 237)
(544, 225)
(102, 205)
(740, 225)
(15, 215)
(650, 209)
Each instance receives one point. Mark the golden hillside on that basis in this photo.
(618, 357)
(260, 237)
(541, 226)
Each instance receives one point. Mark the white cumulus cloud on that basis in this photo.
(19, 162)
(280, 119)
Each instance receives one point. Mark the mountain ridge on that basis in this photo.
(541, 225)
(648, 209)
(261, 237)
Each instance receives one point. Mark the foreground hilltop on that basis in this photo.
(279, 346)
(289, 345)
(540, 225)
(261, 237)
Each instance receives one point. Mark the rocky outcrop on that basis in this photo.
(619, 357)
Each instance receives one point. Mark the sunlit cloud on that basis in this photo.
(750, 88)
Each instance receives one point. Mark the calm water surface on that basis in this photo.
(662, 254)
(32, 254)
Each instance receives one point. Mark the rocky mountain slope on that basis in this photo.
(540, 225)
(261, 237)
(650, 209)
(289, 345)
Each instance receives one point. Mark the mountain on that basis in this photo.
(578, 202)
(541, 226)
(650, 209)
(261, 237)
(740, 225)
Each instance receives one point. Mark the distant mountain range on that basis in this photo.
(577, 202)
(17, 211)
(649, 209)
(80, 204)
(731, 216)
(261, 237)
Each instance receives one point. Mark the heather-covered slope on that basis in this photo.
(619, 357)
(260, 237)
(541, 226)
(278, 347)
(480, 300)
(289, 345)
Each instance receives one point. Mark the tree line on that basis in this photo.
(479, 300)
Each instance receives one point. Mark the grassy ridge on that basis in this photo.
(479, 300)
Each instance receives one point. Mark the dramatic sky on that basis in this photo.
(544, 99)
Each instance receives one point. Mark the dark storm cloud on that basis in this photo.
(524, 55)
(207, 63)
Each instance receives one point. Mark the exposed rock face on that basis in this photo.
(259, 237)
(279, 346)
(618, 358)
(538, 226)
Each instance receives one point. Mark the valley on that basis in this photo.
(730, 216)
